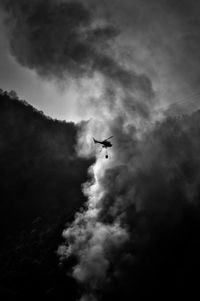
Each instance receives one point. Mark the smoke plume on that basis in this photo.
(147, 184)
(136, 211)
(59, 38)
(99, 230)
(152, 176)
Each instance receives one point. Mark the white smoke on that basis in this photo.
(127, 114)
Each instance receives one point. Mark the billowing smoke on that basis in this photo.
(99, 229)
(57, 38)
(145, 185)
(152, 173)
(135, 214)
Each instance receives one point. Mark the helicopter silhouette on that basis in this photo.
(105, 144)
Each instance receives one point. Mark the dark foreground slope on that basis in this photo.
(40, 189)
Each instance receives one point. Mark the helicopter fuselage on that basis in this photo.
(104, 143)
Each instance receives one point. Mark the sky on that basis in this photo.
(42, 94)
(157, 38)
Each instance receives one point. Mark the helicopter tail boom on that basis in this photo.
(95, 141)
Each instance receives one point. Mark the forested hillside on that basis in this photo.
(40, 189)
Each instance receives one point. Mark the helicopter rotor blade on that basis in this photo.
(109, 137)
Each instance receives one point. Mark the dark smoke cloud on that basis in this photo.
(55, 37)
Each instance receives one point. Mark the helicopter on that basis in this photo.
(105, 144)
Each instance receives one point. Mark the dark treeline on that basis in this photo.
(40, 189)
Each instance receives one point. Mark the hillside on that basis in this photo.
(40, 186)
